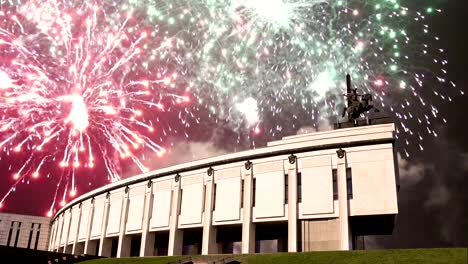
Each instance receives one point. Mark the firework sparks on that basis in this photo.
(84, 82)
(72, 79)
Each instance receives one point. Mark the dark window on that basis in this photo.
(30, 235)
(242, 194)
(254, 190)
(335, 184)
(358, 242)
(349, 183)
(17, 234)
(96, 253)
(214, 197)
(37, 236)
(299, 187)
(286, 193)
(10, 233)
(180, 203)
(135, 244)
(114, 247)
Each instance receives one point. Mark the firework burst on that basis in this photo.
(72, 77)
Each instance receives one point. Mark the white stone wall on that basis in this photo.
(317, 188)
(162, 200)
(228, 198)
(192, 192)
(30, 225)
(136, 207)
(374, 182)
(269, 190)
(225, 190)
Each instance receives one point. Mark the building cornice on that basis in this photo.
(345, 138)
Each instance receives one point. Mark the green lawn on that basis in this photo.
(397, 256)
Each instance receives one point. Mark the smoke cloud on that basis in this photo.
(410, 174)
(323, 125)
(432, 199)
(221, 140)
(181, 152)
(189, 151)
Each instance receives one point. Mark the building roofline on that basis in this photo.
(297, 146)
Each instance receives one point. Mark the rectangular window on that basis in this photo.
(214, 196)
(17, 234)
(335, 184)
(349, 183)
(242, 194)
(299, 187)
(37, 236)
(96, 253)
(10, 233)
(254, 191)
(286, 192)
(30, 235)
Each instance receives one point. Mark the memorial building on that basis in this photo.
(312, 192)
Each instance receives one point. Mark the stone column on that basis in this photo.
(292, 204)
(343, 203)
(248, 228)
(209, 232)
(88, 249)
(147, 238)
(175, 234)
(105, 244)
(75, 239)
(58, 234)
(66, 232)
(54, 234)
(124, 244)
(51, 236)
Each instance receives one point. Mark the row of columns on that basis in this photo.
(209, 246)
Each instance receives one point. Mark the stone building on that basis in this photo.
(319, 191)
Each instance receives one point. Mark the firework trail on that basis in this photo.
(72, 78)
(84, 82)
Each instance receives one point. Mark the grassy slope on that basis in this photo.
(435, 255)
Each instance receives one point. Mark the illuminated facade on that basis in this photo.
(319, 191)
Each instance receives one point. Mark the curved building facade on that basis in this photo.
(319, 191)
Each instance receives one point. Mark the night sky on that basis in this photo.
(433, 193)
(433, 196)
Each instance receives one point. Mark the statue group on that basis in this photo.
(357, 103)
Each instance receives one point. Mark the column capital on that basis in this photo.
(342, 157)
(177, 178)
(248, 165)
(210, 171)
(149, 187)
